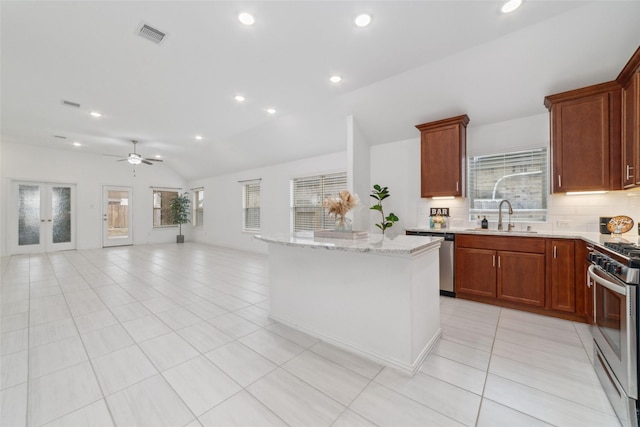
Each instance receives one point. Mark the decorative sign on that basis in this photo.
(439, 218)
(439, 211)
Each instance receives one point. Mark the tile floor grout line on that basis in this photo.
(486, 377)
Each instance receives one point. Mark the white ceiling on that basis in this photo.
(418, 61)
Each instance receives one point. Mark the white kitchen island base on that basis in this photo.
(378, 300)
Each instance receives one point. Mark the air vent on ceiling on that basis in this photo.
(151, 33)
(70, 103)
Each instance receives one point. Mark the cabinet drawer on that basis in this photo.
(502, 243)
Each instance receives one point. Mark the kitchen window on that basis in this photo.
(520, 177)
(161, 210)
(198, 207)
(307, 195)
(251, 206)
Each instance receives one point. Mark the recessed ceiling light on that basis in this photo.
(246, 18)
(95, 114)
(239, 98)
(199, 137)
(335, 79)
(271, 110)
(510, 6)
(158, 156)
(77, 144)
(363, 20)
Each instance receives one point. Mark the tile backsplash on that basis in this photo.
(565, 213)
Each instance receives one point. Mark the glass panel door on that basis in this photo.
(44, 217)
(29, 229)
(117, 216)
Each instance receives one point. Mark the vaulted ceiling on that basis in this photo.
(417, 61)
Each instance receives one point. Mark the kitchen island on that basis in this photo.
(378, 298)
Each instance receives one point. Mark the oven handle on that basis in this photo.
(619, 289)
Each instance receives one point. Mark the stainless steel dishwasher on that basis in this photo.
(447, 260)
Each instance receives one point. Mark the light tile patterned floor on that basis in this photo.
(178, 335)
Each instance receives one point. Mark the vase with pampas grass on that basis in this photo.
(338, 208)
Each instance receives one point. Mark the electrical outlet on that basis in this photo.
(456, 222)
(564, 223)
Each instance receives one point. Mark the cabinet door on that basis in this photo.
(476, 272)
(521, 277)
(580, 135)
(631, 132)
(441, 162)
(562, 276)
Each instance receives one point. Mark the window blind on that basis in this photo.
(307, 195)
(520, 177)
(251, 207)
(161, 207)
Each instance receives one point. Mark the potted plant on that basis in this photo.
(381, 193)
(180, 212)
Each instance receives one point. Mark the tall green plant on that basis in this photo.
(381, 193)
(180, 209)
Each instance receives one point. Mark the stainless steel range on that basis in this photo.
(614, 276)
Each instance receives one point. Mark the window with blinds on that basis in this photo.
(520, 177)
(307, 195)
(198, 207)
(251, 206)
(161, 207)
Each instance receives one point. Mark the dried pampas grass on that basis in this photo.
(339, 206)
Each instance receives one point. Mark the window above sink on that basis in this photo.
(520, 177)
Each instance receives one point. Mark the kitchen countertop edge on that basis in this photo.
(591, 238)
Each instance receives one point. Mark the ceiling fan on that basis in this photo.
(135, 158)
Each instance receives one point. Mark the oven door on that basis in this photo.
(614, 331)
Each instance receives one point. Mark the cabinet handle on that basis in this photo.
(458, 185)
(494, 260)
(555, 251)
(498, 261)
(559, 181)
(629, 174)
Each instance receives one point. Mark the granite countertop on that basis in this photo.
(592, 238)
(399, 245)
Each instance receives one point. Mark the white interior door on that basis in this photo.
(44, 217)
(117, 216)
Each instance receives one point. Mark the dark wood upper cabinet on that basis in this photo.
(443, 151)
(586, 138)
(629, 79)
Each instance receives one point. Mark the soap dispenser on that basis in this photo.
(485, 223)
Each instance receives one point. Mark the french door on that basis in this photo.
(117, 216)
(44, 217)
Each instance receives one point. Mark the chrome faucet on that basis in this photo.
(509, 225)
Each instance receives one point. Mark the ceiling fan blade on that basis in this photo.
(154, 160)
(111, 155)
(146, 163)
(122, 160)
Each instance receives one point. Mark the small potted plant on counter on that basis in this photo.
(380, 193)
(180, 212)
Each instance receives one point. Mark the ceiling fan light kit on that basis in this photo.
(134, 159)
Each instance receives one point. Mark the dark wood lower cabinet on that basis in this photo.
(521, 278)
(562, 278)
(476, 272)
(524, 273)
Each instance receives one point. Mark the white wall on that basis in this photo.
(397, 166)
(358, 172)
(89, 172)
(223, 201)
